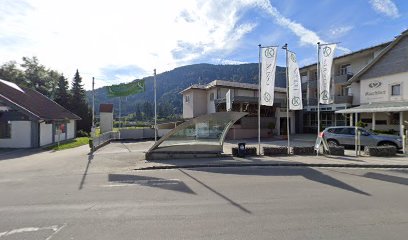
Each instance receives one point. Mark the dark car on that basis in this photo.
(345, 136)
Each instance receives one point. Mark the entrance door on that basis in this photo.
(283, 126)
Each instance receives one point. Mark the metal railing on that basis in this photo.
(104, 138)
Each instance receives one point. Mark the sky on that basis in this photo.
(118, 41)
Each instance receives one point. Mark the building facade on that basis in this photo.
(205, 99)
(29, 119)
(343, 95)
(380, 89)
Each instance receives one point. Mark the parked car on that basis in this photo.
(345, 136)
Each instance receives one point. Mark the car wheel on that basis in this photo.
(388, 144)
(332, 143)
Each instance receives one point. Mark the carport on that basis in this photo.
(376, 109)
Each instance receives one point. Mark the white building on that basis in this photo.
(380, 89)
(210, 98)
(106, 117)
(29, 119)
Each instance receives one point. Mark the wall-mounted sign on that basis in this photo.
(373, 91)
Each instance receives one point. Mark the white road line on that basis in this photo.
(54, 228)
(56, 231)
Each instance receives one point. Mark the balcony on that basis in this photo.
(342, 78)
(343, 99)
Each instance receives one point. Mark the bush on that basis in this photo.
(303, 150)
(82, 133)
(380, 151)
(391, 131)
(335, 150)
(272, 151)
(249, 151)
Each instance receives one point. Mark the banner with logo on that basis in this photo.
(228, 100)
(126, 89)
(326, 53)
(268, 60)
(295, 85)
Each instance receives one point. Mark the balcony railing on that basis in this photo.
(343, 99)
(342, 78)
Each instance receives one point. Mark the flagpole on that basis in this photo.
(318, 90)
(155, 108)
(287, 97)
(120, 111)
(259, 100)
(93, 106)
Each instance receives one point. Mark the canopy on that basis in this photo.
(377, 107)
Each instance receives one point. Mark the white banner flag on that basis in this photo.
(228, 100)
(326, 60)
(268, 59)
(295, 85)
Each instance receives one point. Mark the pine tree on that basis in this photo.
(78, 104)
(62, 96)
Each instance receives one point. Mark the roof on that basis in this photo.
(230, 84)
(33, 103)
(382, 45)
(106, 107)
(378, 107)
(377, 58)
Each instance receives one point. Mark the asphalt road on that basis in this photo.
(70, 195)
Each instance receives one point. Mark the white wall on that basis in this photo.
(45, 134)
(71, 129)
(106, 121)
(379, 89)
(210, 103)
(355, 91)
(20, 135)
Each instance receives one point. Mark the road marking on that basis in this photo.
(56, 231)
(54, 228)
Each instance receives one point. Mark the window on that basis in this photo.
(212, 96)
(396, 90)
(5, 129)
(187, 98)
(380, 122)
(345, 69)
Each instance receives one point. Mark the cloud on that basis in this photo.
(306, 36)
(340, 31)
(133, 36)
(227, 61)
(386, 7)
(95, 35)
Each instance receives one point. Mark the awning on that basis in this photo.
(378, 107)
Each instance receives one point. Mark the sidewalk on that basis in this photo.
(398, 161)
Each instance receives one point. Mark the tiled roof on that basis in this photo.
(33, 103)
(106, 107)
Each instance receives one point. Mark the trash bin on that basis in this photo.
(241, 150)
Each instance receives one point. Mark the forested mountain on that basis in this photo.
(169, 85)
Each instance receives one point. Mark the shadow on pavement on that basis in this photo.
(8, 154)
(386, 178)
(308, 173)
(217, 193)
(81, 184)
(168, 184)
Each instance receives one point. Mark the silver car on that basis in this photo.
(345, 136)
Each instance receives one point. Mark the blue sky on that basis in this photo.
(120, 40)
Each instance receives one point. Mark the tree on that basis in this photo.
(62, 96)
(78, 104)
(10, 72)
(36, 76)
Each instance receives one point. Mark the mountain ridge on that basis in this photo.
(171, 83)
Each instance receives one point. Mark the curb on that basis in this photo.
(273, 165)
